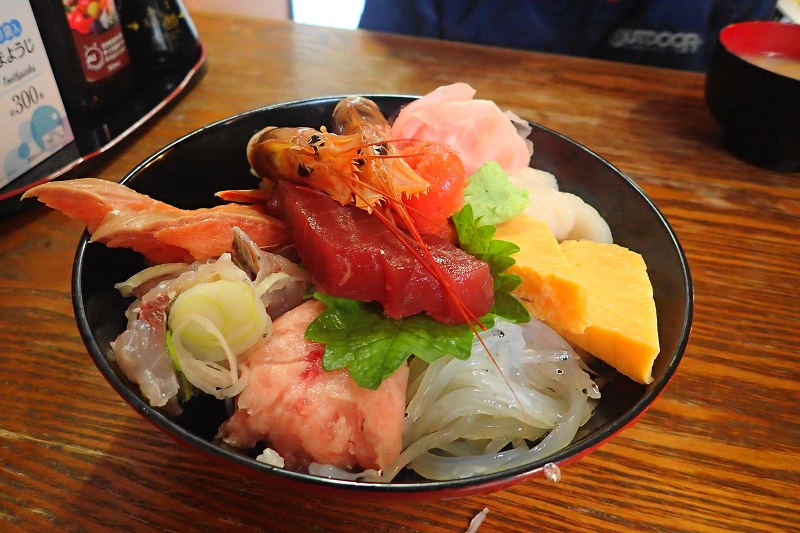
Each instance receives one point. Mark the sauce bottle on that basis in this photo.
(159, 33)
(89, 54)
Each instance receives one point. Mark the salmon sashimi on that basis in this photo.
(306, 414)
(120, 217)
(442, 168)
(352, 254)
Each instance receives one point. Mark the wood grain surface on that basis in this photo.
(718, 451)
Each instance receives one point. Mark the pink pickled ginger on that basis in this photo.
(477, 129)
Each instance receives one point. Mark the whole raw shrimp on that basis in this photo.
(354, 164)
(357, 164)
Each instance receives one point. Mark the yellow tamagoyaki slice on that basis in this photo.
(551, 290)
(623, 330)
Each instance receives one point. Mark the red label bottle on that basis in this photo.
(87, 51)
(97, 36)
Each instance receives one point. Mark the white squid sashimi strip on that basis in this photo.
(429, 389)
(435, 467)
(542, 339)
(559, 438)
(428, 442)
(446, 402)
(487, 428)
(538, 384)
(496, 445)
(471, 400)
(493, 397)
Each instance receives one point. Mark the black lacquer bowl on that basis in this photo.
(188, 172)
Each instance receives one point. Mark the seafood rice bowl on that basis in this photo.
(283, 346)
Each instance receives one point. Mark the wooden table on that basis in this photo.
(718, 451)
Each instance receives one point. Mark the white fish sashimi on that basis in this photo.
(566, 214)
(525, 177)
(141, 353)
(281, 284)
(588, 224)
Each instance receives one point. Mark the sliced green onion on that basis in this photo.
(186, 387)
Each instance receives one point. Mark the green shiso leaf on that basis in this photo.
(359, 337)
(475, 238)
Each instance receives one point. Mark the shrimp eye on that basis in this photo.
(380, 149)
(304, 171)
(359, 162)
(316, 142)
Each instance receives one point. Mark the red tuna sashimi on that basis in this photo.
(351, 254)
(120, 217)
(309, 415)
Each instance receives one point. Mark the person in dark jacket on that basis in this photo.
(664, 33)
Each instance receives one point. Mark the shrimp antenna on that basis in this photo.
(427, 260)
(387, 156)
